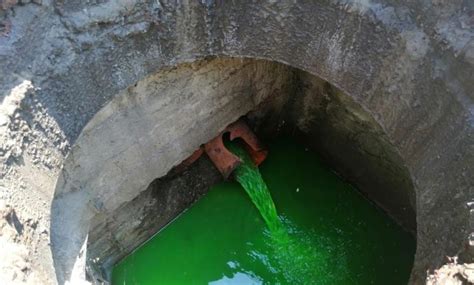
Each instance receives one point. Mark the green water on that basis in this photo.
(331, 234)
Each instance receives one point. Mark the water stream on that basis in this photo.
(248, 175)
(294, 252)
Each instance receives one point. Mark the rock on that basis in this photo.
(7, 4)
(4, 119)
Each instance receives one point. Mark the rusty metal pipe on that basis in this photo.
(224, 160)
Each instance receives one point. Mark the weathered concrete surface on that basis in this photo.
(294, 102)
(409, 65)
(142, 134)
(355, 146)
(113, 235)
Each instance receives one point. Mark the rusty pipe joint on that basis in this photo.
(226, 161)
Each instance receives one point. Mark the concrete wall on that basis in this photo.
(115, 234)
(291, 102)
(355, 145)
(408, 65)
(142, 134)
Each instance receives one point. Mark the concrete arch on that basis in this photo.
(160, 120)
(144, 132)
(381, 64)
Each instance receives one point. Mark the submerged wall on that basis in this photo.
(409, 66)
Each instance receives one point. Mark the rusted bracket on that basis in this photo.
(223, 159)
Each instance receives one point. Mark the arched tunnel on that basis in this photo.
(122, 92)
